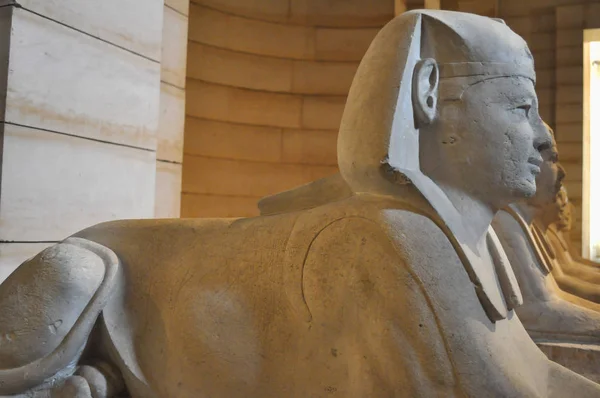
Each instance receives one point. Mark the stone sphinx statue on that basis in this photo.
(557, 305)
(573, 274)
(558, 235)
(387, 282)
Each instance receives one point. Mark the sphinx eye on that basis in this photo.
(525, 108)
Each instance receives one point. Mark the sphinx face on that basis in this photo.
(488, 142)
(549, 181)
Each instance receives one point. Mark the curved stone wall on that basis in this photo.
(266, 85)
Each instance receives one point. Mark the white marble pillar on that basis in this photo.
(80, 116)
(169, 154)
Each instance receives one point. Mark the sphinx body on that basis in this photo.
(386, 290)
(558, 237)
(548, 312)
(561, 243)
(358, 298)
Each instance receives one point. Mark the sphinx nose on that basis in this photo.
(542, 138)
(561, 172)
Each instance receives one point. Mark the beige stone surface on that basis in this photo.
(86, 88)
(276, 39)
(569, 75)
(570, 152)
(480, 7)
(569, 38)
(569, 94)
(168, 190)
(573, 171)
(569, 56)
(182, 6)
(252, 36)
(171, 121)
(134, 25)
(342, 44)
(245, 178)
(54, 185)
(330, 78)
(239, 69)
(542, 41)
(350, 13)
(545, 78)
(569, 132)
(264, 10)
(569, 113)
(309, 146)
(174, 48)
(13, 254)
(570, 17)
(545, 57)
(320, 112)
(574, 188)
(521, 25)
(230, 104)
(202, 205)
(232, 141)
(266, 73)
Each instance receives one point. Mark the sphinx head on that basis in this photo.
(445, 97)
(477, 111)
(565, 211)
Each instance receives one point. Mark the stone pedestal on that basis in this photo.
(581, 358)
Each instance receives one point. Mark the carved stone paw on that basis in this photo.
(103, 380)
(73, 387)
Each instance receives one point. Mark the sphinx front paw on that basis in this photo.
(73, 387)
(104, 380)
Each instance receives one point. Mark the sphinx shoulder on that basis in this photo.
(403, 237)
(509, 231)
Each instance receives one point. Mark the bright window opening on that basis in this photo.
(591, 145)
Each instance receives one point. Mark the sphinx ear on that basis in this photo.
(425, 91)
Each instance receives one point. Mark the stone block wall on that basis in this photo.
(266, 86)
